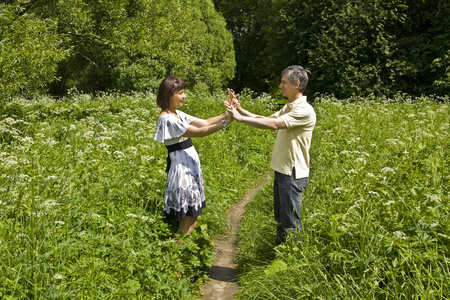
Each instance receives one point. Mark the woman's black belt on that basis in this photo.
(175, 147)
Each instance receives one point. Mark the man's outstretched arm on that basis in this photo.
(258, 121)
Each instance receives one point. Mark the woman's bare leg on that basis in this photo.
(187, 225)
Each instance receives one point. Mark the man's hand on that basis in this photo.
(232, 99)
(235, 114)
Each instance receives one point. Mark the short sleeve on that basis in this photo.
(275, 115)
(185, 117)
(299, 116)
(169, 127)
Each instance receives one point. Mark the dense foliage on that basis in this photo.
(111, 45)
(81, 196)
(357, 47)
(30, 50)
(376, 212)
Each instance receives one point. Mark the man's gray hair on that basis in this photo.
(295, 73)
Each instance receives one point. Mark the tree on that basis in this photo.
(247, 21)
(355, 47)
(423, 44)
(133, 44)
(30, 50)
(346, 44)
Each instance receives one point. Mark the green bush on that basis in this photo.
(30, 52)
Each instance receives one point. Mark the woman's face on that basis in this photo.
(177, 99)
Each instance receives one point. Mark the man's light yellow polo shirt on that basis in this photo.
(291, 148)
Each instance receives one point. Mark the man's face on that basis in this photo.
(289, 90)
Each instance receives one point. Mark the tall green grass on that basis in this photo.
(376, 212)
(81, 196)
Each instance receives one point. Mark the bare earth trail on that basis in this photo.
(222, 277)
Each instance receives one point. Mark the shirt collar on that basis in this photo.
(299, 100)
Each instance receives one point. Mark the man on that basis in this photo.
(290, 157)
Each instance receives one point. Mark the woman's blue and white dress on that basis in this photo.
(184, 195)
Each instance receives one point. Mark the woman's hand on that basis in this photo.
(235, 114)
(232, 99)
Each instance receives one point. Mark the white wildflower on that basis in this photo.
(393, 141)
(400, 234)
(132, 215)
(337, 190)
(436, 198)
(374, 193)
(347, 117)
(119, 154)
(49, 204)
(59, 223)
(110, 225)
(88, 134)
(387, 170)
(103, 138)
(361, 160)
(50, 142)
(58, 276)
(24, 177)
(27, 140)
(103, 146)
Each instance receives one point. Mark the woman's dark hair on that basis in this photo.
(167, 88)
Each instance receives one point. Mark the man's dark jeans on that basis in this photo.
(287, 198)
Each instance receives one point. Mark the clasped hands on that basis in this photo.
(233, 106)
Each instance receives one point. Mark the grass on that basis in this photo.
(375, 213)
(81, 195)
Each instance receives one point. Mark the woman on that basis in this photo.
(184, 195)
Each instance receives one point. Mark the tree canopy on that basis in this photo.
(112, 44)
(356, 47)
(351, 47)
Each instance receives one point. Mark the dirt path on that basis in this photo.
(222, 283)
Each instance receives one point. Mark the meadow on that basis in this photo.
(82, 185)
(81, 196)
(376, 213)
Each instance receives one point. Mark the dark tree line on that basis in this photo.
(352, 47)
